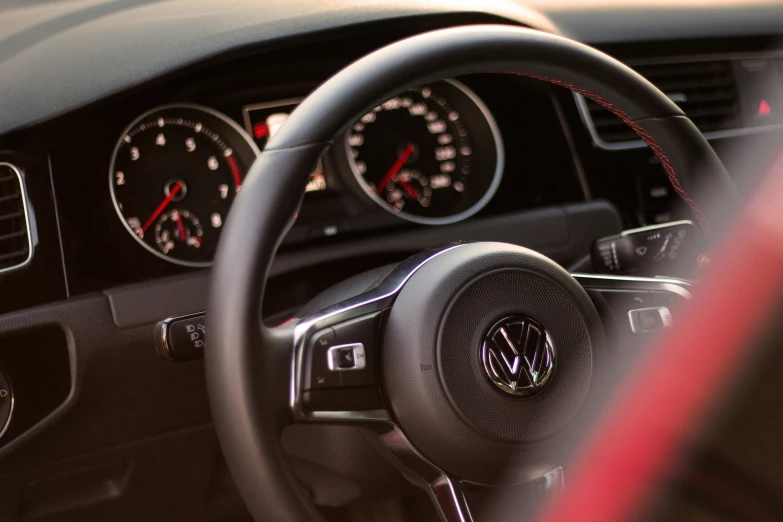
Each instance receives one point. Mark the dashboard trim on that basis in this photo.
(587, 119)
(28, 226)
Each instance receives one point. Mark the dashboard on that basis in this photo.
(139, 184)
(134, 126)
(143, 181)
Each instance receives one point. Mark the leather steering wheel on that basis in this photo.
(424, 390)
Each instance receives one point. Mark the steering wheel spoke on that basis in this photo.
(459, 501)
(335, 377)
(634, 308)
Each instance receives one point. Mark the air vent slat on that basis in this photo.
(15, 246)
(706, 91)
(13, 255)
(13, 235)
(13, 215)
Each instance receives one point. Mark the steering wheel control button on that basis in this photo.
(620, 302)
(181, 338)
(360, 335)
(6, 402)
(648, 320)
(347, 357)
(318, 372)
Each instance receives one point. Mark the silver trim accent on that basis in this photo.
(649, 228)
(587, 119)
(609, 282)
(481, 203)
(553, 482)
(25, 207)
(445, 491)
(266, 105)
(192, 106)
(358, 357)
(373, 300)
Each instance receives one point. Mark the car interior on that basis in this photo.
(437, 247)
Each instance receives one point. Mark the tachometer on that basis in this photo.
(431, 155)
(173, 177)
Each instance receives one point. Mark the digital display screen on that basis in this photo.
(262, 120)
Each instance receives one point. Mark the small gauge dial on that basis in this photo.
(172, 168)
(430, 155)
(178, 230)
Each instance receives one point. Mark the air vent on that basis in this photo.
(706, 91)
(15, 236)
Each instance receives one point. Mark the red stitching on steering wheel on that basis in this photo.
(617, 111)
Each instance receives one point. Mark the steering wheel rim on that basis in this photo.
(248, 364)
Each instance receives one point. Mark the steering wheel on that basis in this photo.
(473, 363)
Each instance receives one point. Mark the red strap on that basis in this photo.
(688, 368)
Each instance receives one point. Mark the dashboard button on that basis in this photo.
(649, 320)
(360, 332)
(347, 357)
(181, 338)
(317, 373)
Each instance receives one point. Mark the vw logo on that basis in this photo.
(518, 356)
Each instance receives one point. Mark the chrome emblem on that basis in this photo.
(518, 356)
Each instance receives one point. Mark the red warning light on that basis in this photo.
(260, 130)
(764, 108)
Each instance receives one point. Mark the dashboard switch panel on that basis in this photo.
(181, 338)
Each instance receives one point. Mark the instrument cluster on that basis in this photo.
(431, 155)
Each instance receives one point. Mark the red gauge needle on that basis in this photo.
(409, 189)
(181, 227)
(161, 207)
(396, 168)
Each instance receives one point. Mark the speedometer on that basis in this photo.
(431, 155)
(173, 176)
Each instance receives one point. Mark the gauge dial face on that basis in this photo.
(174, 174)
(430, 155)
